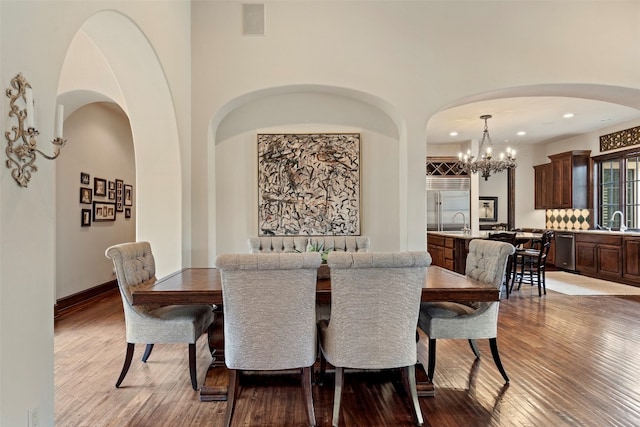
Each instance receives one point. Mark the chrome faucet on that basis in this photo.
(465, 229)
(623, 226)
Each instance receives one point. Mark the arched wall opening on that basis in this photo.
(517, 190)
(303, 109)
(110, 58)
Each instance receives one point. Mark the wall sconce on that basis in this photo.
(21, 139)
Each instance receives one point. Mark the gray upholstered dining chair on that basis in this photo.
(135, 267)
(487, 262)
(269, 317)
(375, 300)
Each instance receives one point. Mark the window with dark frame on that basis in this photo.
(618, 184)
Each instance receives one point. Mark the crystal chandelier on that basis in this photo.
(485, 163)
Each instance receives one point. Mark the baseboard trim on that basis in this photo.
(82, 297)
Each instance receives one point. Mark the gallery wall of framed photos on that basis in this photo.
(107, 198)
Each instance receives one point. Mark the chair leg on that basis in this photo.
(323, 368)
(308, 395)
(538, 281)
(474, 348)
(493, 342)
(544, 284)
(147, 352)
(337, 395)
(192, 366)
(432, 358)
(127, 362)
(413, 392)
(232, 394)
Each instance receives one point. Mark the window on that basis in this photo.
(618, 184)
(632, 188)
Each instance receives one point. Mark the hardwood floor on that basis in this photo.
(572, 361)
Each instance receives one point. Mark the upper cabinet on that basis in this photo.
(565, 183)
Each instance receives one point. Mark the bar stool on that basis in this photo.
(532, 261)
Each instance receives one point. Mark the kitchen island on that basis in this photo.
(449, 249)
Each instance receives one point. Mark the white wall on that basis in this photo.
(101, 145)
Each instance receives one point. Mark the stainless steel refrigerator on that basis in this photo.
(446, 196)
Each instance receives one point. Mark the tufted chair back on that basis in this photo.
(487, 261)
(292, 244)
(135, 266)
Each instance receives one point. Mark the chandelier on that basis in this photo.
(485, 163)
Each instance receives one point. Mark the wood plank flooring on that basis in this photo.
(572, 360)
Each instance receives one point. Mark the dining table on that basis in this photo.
(204, 286)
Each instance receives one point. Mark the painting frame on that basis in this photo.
(104, 211)
(128, 195)
(85, 218)
(488, 209)
(86, 195)
(85, 178)
(99, 187)
(119, 195)
(309, 184)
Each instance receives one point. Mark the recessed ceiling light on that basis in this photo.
(454, 133)
(521, 133)
(568, 115)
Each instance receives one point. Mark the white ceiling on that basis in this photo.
(541, 117)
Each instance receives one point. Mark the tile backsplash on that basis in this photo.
(567, 219)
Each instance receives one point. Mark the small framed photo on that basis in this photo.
(128, 195)
(86, 195)
(119, 194)
(488, 209)
(86, 217)
(85, 178)
(112, 185)
(127, 212)
(99, 187)
(112, 195)
(104, 211)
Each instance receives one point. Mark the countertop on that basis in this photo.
(484, 234)
(480, 235)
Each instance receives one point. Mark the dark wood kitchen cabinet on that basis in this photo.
(543, 183)
(448, 252)
(631, 263)
(565, 183)
(441, 250)
(599, 255)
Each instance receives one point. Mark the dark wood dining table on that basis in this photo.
(204, 286)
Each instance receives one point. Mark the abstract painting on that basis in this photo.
(309, 184)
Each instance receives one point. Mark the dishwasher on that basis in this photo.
(565, 251)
